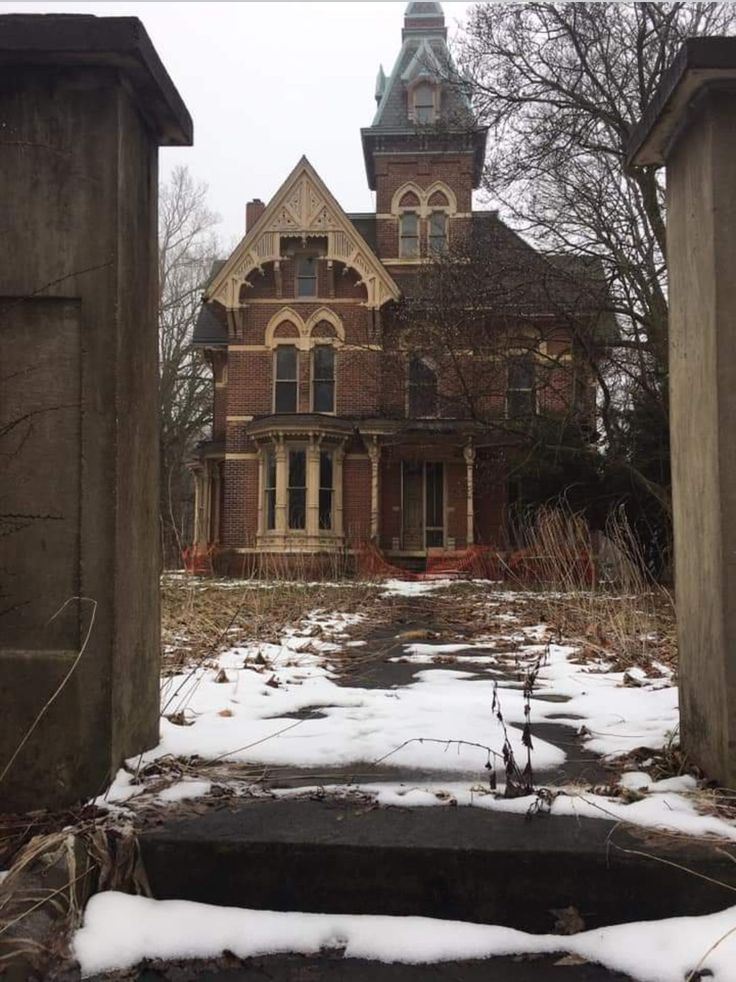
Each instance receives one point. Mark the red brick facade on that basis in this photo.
(293, 474)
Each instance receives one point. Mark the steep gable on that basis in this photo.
(303, 206)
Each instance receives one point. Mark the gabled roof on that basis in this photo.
(302, 207)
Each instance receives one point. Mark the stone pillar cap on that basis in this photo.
(700, 62)
(80, 40)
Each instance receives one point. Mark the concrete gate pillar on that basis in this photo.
(84, 104)
(691, 127)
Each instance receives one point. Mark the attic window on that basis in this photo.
(306, 276)
(424, 103)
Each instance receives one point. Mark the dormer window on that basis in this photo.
(409, 235)
(424, 108)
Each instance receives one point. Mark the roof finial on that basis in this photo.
(380, 84)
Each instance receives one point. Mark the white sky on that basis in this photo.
(265, 83)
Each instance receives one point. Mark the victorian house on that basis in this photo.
(330, 430)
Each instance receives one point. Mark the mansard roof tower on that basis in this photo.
(422, 110)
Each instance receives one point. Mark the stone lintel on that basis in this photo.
(701, 63)
(72, 41)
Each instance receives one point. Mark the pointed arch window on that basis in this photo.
(286, 383)
(422, 388)
(437, 233)
(323, 378)
(409, 235)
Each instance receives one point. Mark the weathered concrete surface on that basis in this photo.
(84, 104)
(693, 129)
(327, 968)
(350, 857)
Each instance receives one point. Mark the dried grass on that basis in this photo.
(596, 593)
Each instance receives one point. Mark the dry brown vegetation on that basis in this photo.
(202, 617)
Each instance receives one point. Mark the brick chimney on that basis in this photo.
(253, 211)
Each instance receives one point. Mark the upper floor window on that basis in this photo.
(422, 388)
(424, 103)
(286, 384)
(409, 235)
(323, 378)
(520, 393)
(437, 233)
(306, 276)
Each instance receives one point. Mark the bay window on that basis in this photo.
(326, 490)
(297, 489)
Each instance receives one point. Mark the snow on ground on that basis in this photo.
(120, 930)
(251, 715)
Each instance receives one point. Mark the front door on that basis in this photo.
(413, 506)
(423, 505)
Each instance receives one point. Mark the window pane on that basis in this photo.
(520, 402)
(437, 232)
(409, 223)
(270, 489)
(325, 508)
(297, 489)
(285, 397)
(297, 508)
(325, 469)
(297, 469)
(409, 234)
(422, 389)
(286, 362)
(324, 362)
(435, 496)
(521, 372)
(306, 277)
(324, 397)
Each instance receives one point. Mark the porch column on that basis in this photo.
(197, 476)
(469, 454)
(282, 493)
(215, 504)
(313, 486)
(374, 452)
(338, 459)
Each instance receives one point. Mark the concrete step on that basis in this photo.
(471, 864)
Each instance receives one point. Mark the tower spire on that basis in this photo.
(424, 17)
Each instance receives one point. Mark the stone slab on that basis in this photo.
(466, 864)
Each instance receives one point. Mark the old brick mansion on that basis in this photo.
(333, 425)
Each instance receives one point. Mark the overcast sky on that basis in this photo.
(265, 83)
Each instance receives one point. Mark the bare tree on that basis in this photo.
(561, 86)
(187, 247)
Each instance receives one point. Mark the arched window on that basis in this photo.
(437, 233)
(323, 378)
(422, 388)
(286, 379)
(409, 235)
(520, 390)
(424, 103)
